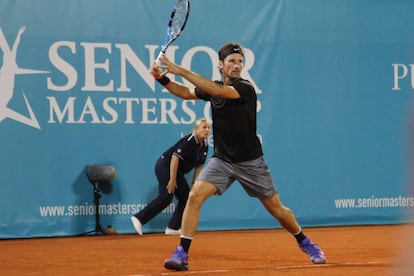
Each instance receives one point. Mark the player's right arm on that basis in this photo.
(181, 90)
(208, 86)
(178, 89)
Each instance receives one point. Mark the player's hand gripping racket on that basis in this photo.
(179, 17)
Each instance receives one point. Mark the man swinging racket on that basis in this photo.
(237, 150)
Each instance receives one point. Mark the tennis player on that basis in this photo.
(237, 150)
(188, 153)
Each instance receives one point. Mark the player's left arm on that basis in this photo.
(206, 85)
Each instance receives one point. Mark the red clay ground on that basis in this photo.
(361, 250)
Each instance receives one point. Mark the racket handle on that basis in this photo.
(157, 61)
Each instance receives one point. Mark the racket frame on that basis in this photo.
(168, 38)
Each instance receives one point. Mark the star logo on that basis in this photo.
(8, 71)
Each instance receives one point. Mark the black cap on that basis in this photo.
(230, 48)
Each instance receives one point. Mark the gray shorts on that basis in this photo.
(254, 176)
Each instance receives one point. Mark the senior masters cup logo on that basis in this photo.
(8, 70)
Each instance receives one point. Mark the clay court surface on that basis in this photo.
(361, 250)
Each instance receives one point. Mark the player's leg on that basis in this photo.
(287, 219)
(200, 191)
(256, 179)
(283, 214)
(215, 178)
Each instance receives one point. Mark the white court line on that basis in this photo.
(325, 265)
(187, 272)
(265, 268)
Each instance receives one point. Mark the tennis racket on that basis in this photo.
(176, 24)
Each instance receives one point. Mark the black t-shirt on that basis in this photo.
(234, 124)
(190, 150)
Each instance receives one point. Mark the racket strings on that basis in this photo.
(178, 18)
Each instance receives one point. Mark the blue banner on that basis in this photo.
(334, 82)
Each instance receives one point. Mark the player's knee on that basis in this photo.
(196, 199)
